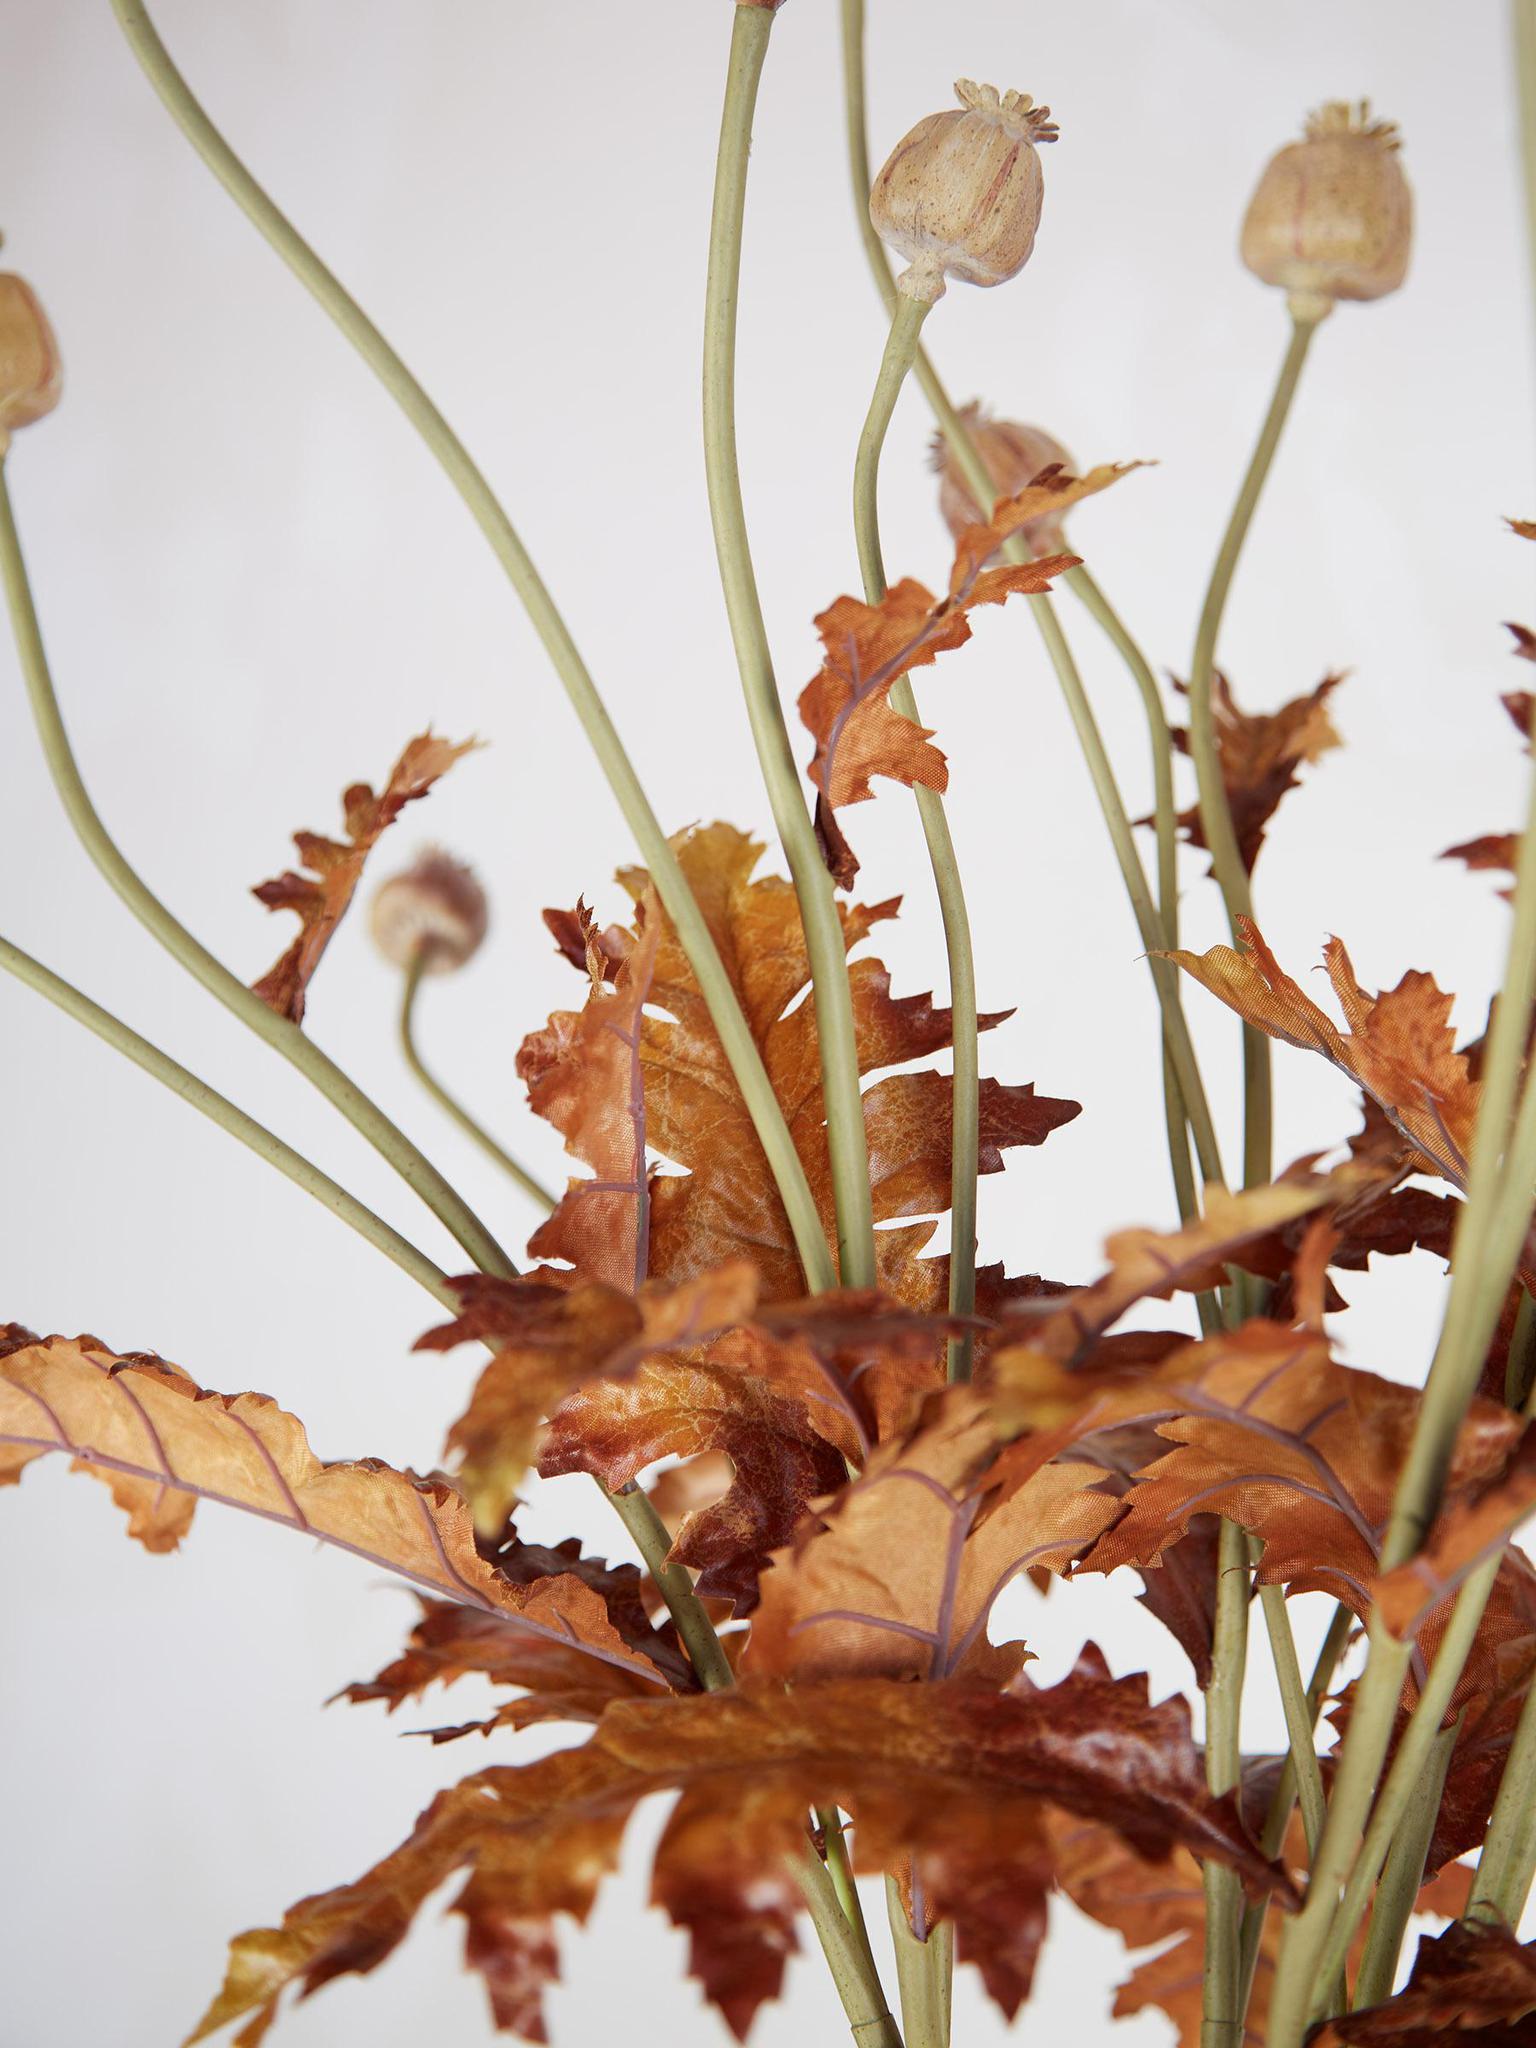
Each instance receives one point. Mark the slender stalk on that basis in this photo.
(1523, 25)
(170, 1074)
(1414, 1752)
(1300, 1714)
(1222, 2022)
(906, 324)
(1283, 1800)
(920, 1980)
(1403, 1874)
(489, 515)
(840, 1869)
(1215, 812)
(813, 885)
(411, 988)
(299, 1050)
(638, 1512)
(869, 2017)
(1520, 1369)
(1508, 1859)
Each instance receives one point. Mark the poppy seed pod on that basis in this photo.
(960, 194)
(435, 911)
(1013, 456)
(31, 374)
(1333, 215)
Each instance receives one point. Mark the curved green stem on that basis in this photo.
(906, 324)
(813, 885)
(1508, 1859)
(453, 458)
(1215, 812)
(1403, 1873)
(1300, 1713)
(264, 1143)
(300, 1051)
(1222, 2012)
(449, 1104)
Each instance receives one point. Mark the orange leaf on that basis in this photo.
(1259, 755)
(335, 868)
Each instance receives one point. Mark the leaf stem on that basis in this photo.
(751, 30)
(1222, 2020)
(1403, 1873)
(919, 1976)
(906, 324)
(1300, 1714)
(410, 990)
(264, 1143)
(295, 1046)
(490, 516)
(1215, 811)
(1508, 1860)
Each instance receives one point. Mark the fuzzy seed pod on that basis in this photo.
(960, 194)
(1014, 456)
(1333, 215)
(31, 374)
(435, 908)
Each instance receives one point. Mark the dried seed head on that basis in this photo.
(1014, 456)
(960, 195)
(435, 908)
(1333, 215)
(31, 374)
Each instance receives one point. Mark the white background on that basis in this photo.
(256, 587)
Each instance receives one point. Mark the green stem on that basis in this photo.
(1300, 1714)
(1215, 812)
(1222, 2022)
(906, 324)
(300, 1051)
(869, 2017)
(638, 1512)
(414, 975)
(453, 458)
(1414, 1752)
(170, 1074)
(1520, 1368)
(1508, 1860)
(919, 1977)
(840, 1869)
(1283, 1800)
(1403, 1874)
(813, 885)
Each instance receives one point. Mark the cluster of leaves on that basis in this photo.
(849, 1519)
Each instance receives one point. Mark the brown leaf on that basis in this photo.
(143, 1421)
(1398, 1045)
(335, 867)
(721, 1202)
(1476, 1981)
(1260, 754)
(898, 1575)
(954, 1776)
(867, 648)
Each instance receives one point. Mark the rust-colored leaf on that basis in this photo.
(955, 1776)
(1261, 754)
(142, 1421)
(1476, 1981)
(1398, 1045)
(867, 648)
(335, 867)
(898, 1575)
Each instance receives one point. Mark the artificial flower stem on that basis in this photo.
(906, 324)
(824, 938)
(1508, 1860)
(840, 1869)
(653, 1540)
(864, 2002)
(1282, 1803)
(1415, 1750)
(489, 515)
(1403, 1874)
(448, 1103)
(296, 1047)
(1078, 580)
(264, 1143)
(919, 1977)
(1300, 1717)
(1215, 811)
(1222, 2002)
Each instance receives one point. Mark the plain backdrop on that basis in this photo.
(256, 587)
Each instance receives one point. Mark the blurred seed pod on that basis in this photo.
(31, 372)
(1333, 214)
(1014, 456)
(435, 909)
